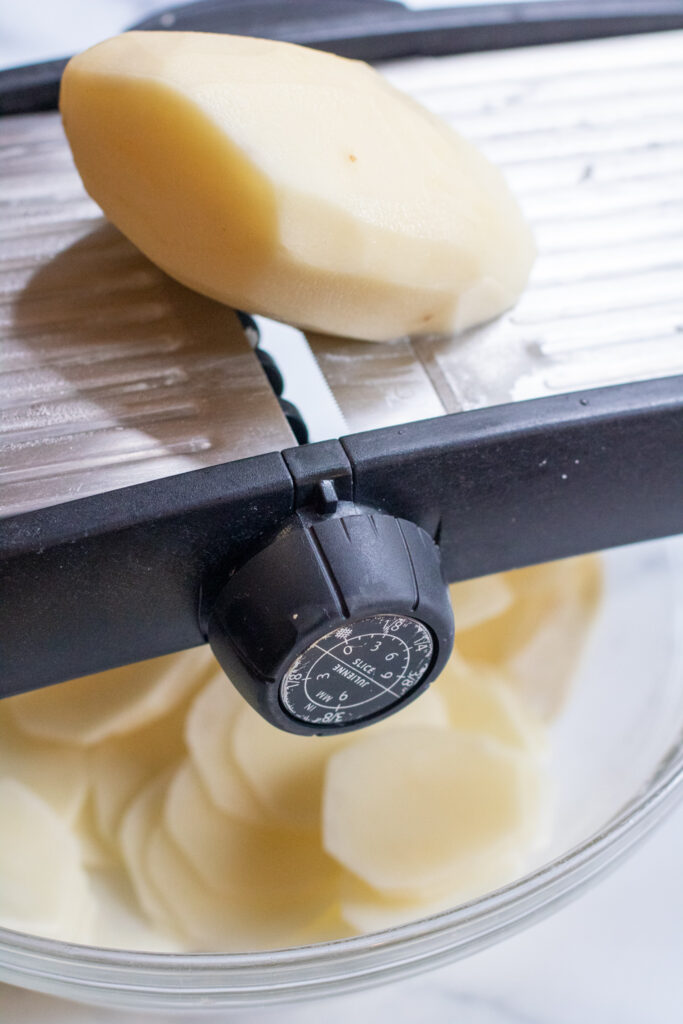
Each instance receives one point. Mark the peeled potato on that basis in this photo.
(93, 708)
(43, 888)
(481, 700)
(235, 857)
(411, 809)
(293, 183)
(208, 734)
(55, 772)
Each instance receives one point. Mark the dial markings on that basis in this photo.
(357, 671)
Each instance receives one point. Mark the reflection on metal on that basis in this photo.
(110, 372)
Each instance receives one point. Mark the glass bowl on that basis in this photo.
(618, 768)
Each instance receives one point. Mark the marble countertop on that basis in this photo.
(613, 956)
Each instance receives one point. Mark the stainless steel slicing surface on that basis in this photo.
(110, 372)
(590, 138)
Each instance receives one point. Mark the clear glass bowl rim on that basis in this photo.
(214, 980)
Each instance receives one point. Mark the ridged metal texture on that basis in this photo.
(590, 138)
(110, 373)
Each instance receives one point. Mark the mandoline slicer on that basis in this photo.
(152, 491)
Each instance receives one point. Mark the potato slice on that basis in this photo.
(544, 667)
(55, 772)
(237, 922)
(208, 734)
(327, 926)
(411, 808)
(540, 637)
(366, 909)
(141, 818)
(287, 772)
(201, 915)
(118, 922)
(538, 592)
(480, 699)
(236, 857)
(427, 709)
(476, 601)
(95, 854)
(93, 708)
(293, 183)
(121, 766)
(43, 887)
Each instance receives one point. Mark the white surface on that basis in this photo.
(613, 957)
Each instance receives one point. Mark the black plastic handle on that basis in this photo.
(374, 30)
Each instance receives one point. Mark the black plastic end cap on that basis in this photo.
(315, 579)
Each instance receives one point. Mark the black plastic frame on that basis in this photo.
(131, 574)
(374, 30)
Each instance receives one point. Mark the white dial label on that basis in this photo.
(357, 671)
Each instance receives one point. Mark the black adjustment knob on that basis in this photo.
(337, 623)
